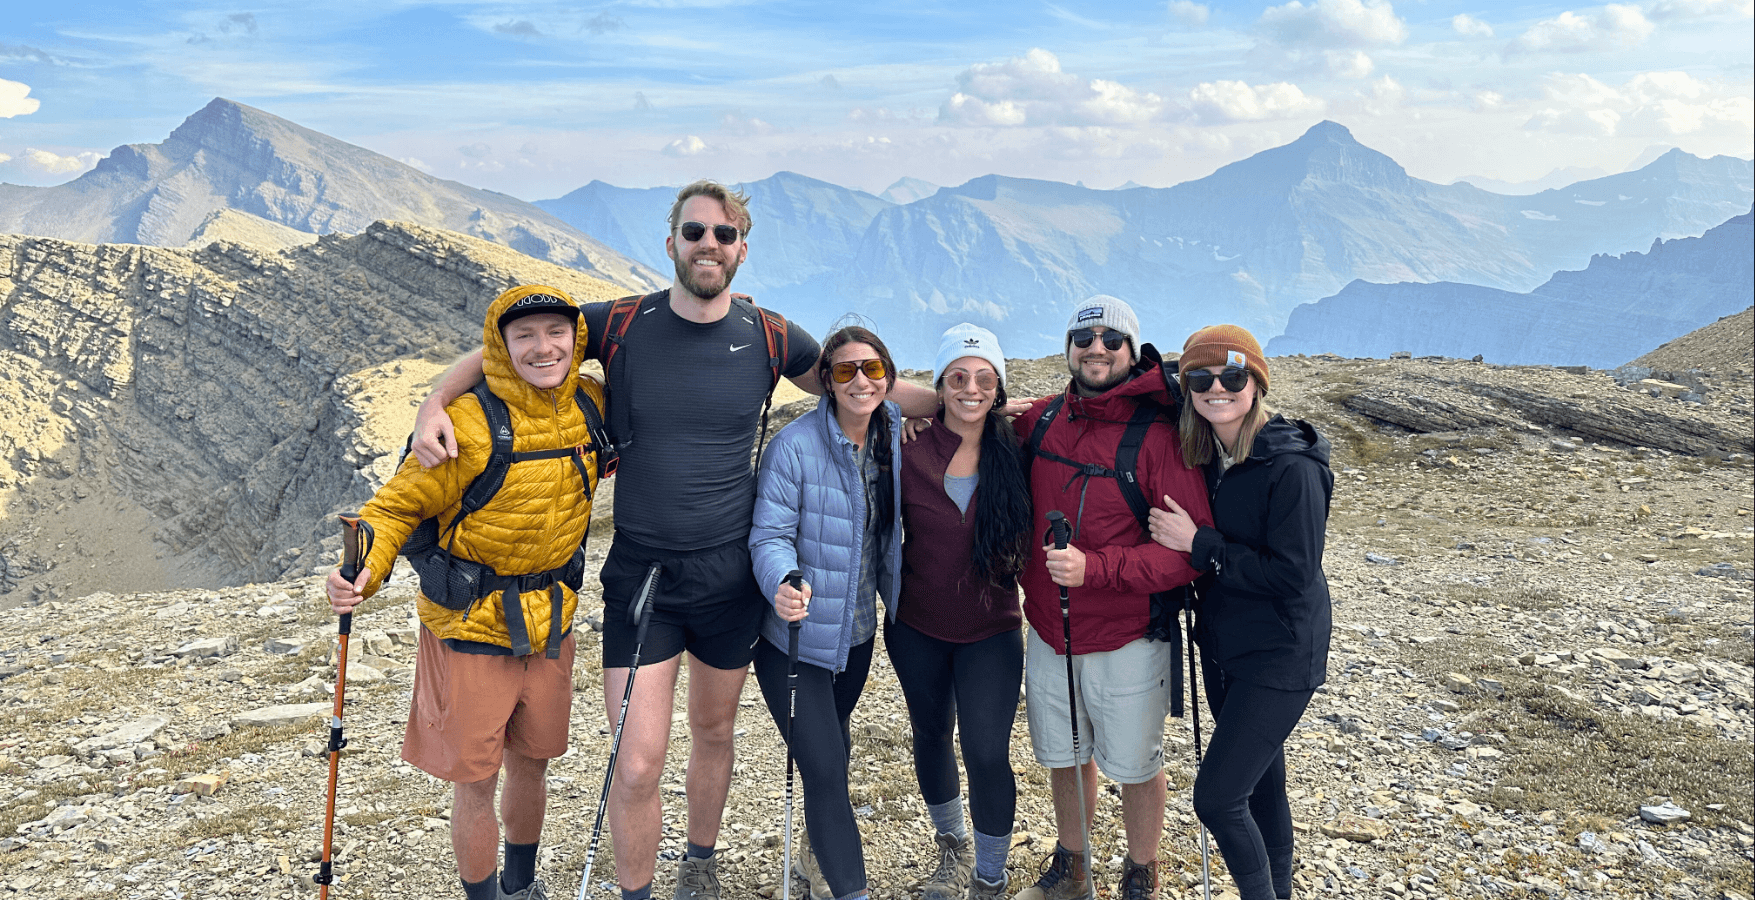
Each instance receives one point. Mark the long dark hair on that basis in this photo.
(1002, 498)
(878, 433)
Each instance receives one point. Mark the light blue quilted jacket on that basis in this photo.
(810, 516)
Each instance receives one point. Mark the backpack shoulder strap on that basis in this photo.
(487, 484)
(621, 314)
(1034, 444)
(1127, 459)
(774, 335)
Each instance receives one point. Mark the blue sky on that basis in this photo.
(538, 98)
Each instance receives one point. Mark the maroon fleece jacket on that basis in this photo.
(942, 595)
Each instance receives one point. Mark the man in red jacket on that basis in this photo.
(1111, 567)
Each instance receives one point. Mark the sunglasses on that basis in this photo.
(843, 372)
(957, 379)
(1082, 338)
(1200, 381)
(694, 231)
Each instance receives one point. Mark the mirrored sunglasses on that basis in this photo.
(958, 379)
(1200, 381)
(1082, 338)
(694, 231)
(842, 372)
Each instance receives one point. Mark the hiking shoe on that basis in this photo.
(984, 890)
(956, 864)
(697, 879)
(535, 890)
(806, 874)
(1138, 881)
(1063, 878)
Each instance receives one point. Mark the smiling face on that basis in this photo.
(858, 398)
(541, 348)
(1224, 409)
(970, 402)
(705, 267)
(1097, 368)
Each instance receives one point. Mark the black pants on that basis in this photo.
(822, 742)
(1240, 792)
(972, 688)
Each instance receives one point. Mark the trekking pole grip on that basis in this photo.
(796, 579)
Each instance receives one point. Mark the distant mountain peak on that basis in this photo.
(1327, 130)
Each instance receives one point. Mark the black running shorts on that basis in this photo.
(707, 603)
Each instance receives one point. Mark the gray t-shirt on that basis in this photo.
(694, 393)
(961, 489)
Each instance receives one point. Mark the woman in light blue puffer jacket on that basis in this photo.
(826, 505)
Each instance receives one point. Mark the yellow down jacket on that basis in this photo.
(535, 521)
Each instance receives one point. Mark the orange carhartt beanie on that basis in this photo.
(1225, 345)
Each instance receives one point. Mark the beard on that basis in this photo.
(1092, 387)
(710, 286)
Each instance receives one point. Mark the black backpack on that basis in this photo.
(457, 583)
(1164, 625)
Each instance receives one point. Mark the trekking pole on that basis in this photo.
(641, 613)
(796, 579)
(1059, 532)
(356, 544)
(1206, 869)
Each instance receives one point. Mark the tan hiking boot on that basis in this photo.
(697, 879)
(956, 863)
(807, 876)
(1139, 881)
(1063, 878)
(983, 890)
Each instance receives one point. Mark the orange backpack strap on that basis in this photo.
(621, 313)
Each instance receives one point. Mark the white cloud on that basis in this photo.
(56, 164)
(1470, 27)
(1700, 9)
(744, 126)
(1189, 14)
(417, 162)
(15, 99)
(4, 158)
(1334, 23)
(1033, 90)
(1614, 27)
(1235, 101)
(1650, 104)
(1348, 64)
(685, 146)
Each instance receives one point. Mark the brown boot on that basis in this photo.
(956, 863)
(1139, 881)
(1063, 878)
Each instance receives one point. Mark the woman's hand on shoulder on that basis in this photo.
(913, 427)
(1017, 407)
(1172, 527)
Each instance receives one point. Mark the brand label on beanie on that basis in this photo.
(1235, 360)
(971, 343)
(1089, 313)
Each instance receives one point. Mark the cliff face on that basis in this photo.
(230, 396)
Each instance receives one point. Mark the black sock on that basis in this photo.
(696, 851)
(485, 889)
(644, 893)
(520, 868)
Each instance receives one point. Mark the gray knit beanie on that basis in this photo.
(968, 340)
(1110, 312)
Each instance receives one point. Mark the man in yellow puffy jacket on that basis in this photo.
(493, 679)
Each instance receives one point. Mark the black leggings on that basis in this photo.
(974, 686)
(1240, 792)
(822, 741)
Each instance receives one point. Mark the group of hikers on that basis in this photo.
(1143, 489)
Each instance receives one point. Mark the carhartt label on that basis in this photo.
(1234, 359)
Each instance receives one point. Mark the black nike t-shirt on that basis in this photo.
(694, 393)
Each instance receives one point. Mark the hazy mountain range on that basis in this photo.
(1613, 310)
(1247, 244)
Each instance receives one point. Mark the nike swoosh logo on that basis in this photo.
(735, 347)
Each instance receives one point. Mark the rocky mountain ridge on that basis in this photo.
(232, 157)
(228, 396)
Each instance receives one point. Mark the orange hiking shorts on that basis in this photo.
(469, 708)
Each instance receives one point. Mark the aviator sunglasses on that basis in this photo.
(1082, 338)
(843, 372)
(1200, 381)
(694, 231)
(957, 379)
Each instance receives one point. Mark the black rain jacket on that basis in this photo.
(1263, 608)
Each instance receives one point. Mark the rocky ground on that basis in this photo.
(1540, 686)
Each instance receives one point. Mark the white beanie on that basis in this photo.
(968, 340)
